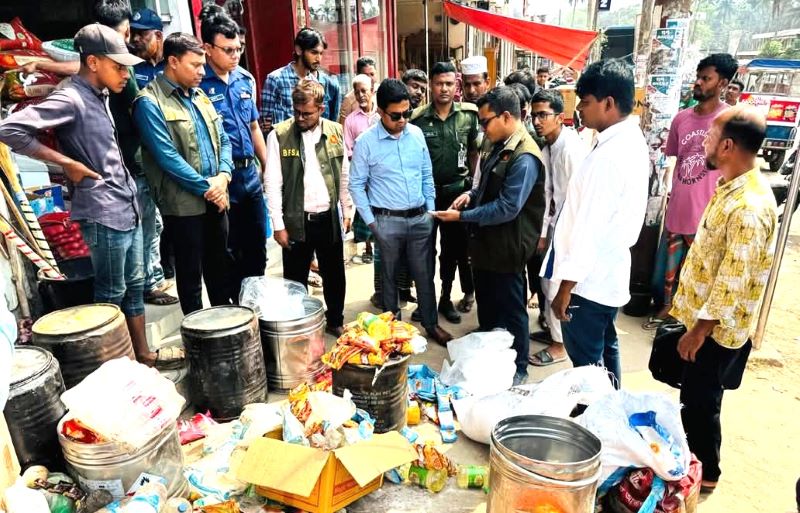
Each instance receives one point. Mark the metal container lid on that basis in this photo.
(218, 318)
(28, 363)
(77, 319)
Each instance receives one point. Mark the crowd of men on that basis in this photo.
(167, 156)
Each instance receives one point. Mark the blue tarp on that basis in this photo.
(774, 64)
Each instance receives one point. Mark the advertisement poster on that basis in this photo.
(663, 94)
(666, 51)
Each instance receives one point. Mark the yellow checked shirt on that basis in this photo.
(726, 269)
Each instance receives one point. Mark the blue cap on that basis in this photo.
(146, 19)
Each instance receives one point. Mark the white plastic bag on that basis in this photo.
(556, 396)
(273, 299)
(125, 401)
(625, 445)
(483, 363)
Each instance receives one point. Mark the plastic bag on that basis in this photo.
(125, 401)
(556, 396)
(259, 419)
(19, 85)
(195, 428)
(639, 430)
(14, 36)
(273, 299)
(483, 363)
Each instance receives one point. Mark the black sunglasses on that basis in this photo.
(395, 116)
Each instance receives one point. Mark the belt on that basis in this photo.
(313, 217)
(242, 163)
(411, 212)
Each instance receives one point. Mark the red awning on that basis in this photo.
(568, 47)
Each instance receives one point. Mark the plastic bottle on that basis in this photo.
(432, 479)
(177, 505)
(147, 499)
(472, 476)
(115, 507)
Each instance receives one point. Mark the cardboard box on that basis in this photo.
(320, 481)
(9, 469)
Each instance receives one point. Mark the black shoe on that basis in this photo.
(450, 313)
(542, 336)
(543, 323)
(376, 302)
(416, 316)
(405, 295)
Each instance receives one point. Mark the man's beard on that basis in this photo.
(700, 96)
(309, 66)
(710, 165)
(414, 101)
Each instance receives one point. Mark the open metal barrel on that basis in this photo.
(539, 461)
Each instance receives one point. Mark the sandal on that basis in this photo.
(366, 258)
(543, 358)
(654, 322)
(314, 280)
(533, 303)
(160, 298)
(466, 304)
(170, 358)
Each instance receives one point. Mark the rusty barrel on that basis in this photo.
(34, 407)
(82, 338)
(226, 362)
(380, 391)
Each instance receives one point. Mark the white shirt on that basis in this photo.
(561, 160)
(315, 192)
(602, 217)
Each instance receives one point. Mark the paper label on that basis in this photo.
(112, 486)
(145, 478)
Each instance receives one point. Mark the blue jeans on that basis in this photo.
(501, 299)
(408, 239)
(118, 268)
(590, 337)
(151, 233)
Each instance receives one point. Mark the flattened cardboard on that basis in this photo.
(367, 460)
(288, 467)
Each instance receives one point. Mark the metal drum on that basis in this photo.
(82, 338)
(293, 348)
(109, 466)
(226, 361)
(34, 407)
(539, 462)
(380, 391)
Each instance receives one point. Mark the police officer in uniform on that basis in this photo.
(232, 91)
(451, 132)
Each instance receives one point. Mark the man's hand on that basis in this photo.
(76, 171)
(282, 238)
(266, 125)
(560, 305)
(218, 189)
(448, 216)
(541, 246)
(29, 67)
(689, 344)
(347, 224)
(461, 202)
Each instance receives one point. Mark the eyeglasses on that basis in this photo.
(542, 115)
(303, 115)
(485, 122)
(231, 51)
(395, 116)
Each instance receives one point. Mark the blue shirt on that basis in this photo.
(391, 172)
(519, 182)
(276, 95)
(144, 72)
(156, 137)
(235, 102)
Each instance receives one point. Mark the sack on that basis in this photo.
(483, 363)
(14, 36)
(639, 430)
(666, 365)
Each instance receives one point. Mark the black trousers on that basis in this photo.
(501, 304)
(454, 245)
(320, 239)
(200, 243)
(715, 369)
(247, 243)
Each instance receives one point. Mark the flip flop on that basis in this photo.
(314, 280)
(543, 358)
(654, 322)
(160, 298)
(170, 358)
(465, 305)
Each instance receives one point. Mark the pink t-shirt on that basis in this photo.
(693, 183)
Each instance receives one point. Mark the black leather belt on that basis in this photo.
(411, 212)
(242, 163)
(313, 217)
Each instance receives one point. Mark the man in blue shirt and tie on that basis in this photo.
(232, 90)
(391, 183)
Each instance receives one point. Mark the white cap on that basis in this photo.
(475, 65)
